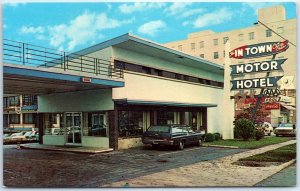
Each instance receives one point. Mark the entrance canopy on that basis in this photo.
(18, 79)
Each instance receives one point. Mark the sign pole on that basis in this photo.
(258, 102)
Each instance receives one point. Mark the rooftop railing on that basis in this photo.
(36, 56)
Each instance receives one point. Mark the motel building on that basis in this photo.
(108, 94)
(271, 26)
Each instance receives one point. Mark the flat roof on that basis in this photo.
(144, 46)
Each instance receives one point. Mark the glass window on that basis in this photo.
(165, 117)
(177, 130)
(192, 46)
(225, 39)
(165, 129)
(5, 102)
(14, 101)
(29, 100)
(53, 124)
(216, 55)
(201, 44)
(202, 55)
(251, 35)
(224, 53)
(215, 42)
(5, 121)
(268, 33)
(28, 118)
(241, 37)
(130, 123)
(146, 70)
(98, 125)
(14, 119)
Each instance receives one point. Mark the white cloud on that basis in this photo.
(152, 27)
(84, 29)
(32, 30)
(214, 18)
(139, 6)
(177, 8)
(191, 12)
(258, 5)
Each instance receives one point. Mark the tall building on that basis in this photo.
(272, 26)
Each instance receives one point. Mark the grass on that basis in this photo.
(282, 154)
(251, 144)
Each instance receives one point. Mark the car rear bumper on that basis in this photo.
(157, 142)
(285, 133)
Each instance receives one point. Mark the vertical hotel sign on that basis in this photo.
(254, 51)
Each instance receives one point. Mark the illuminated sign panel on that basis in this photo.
(255, 83)
(259, 50)
(265, 66)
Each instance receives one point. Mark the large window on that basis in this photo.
(215, 42)
(251, 35)
(192, 46)
(165, 117)
(29, 118)
(201, 55)
(216, 55)
(225, 39)
(268, 33)
(201, 44)
(14, 101)
(241, 37)
(29, 100)
(14, 119)
(98, 125)
(5, 102)
(130, 123)
(53, 124)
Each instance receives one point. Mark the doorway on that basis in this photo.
(73, 128)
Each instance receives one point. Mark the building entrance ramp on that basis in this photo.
(66, 148)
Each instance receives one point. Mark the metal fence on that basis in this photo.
(30, 55)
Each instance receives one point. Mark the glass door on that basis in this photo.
(73, 128)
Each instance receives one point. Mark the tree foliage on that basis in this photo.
(244, 128)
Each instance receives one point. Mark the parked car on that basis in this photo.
(285, 129)
(18, 136)
(268, 128)
(173, 135)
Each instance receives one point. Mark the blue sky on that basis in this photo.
(74, 26)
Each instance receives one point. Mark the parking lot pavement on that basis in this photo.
(35, 168)
(284, 178)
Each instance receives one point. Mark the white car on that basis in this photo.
(287, 129)
(268, 129)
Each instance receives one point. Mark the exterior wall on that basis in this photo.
(54, 139)
(143, 87)
(129, 143)
(88, 141)
(145, 60)
(91, 100)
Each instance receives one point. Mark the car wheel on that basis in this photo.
(199, 144)
(269, 134)
(277, 135)
(155, 146)
(181, 145)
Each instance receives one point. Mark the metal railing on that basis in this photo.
(36, 56)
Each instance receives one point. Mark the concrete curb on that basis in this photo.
(67, 150)
(222, 146)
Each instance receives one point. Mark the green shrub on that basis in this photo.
(259, 135)
(217, 136)
(244, 129)
(209, 137)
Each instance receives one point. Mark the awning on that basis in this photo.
(288, 107)
(161, 103)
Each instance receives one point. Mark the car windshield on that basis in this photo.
(27, 133)
(287, 125)
(164, 129)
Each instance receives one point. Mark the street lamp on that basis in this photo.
(273, 31)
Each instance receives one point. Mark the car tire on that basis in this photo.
(277, 135)
(181, 145)
(200, 142)
(269, 134)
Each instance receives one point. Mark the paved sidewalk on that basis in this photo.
(217, 173)
(284, 178)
